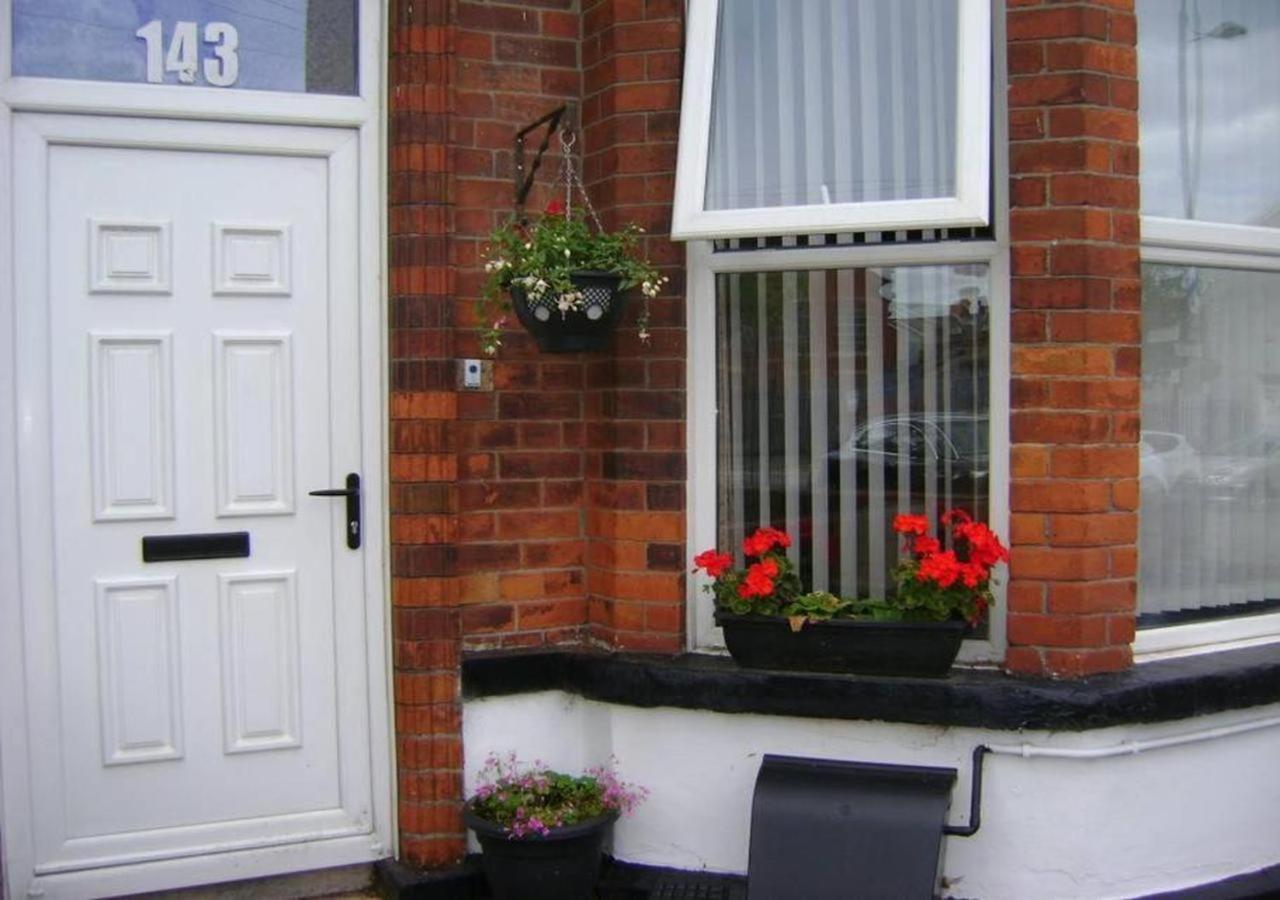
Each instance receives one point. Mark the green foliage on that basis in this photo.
(552, 797)
(542, 259)
(925, 601)
(934, 584)
(531, 800)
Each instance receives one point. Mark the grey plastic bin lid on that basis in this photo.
(828, 829)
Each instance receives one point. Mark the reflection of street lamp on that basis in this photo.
(1189, 156)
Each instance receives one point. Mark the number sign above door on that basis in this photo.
(272, 45)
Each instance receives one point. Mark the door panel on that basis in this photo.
(187, 304)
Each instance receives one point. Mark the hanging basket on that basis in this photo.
(573, 330)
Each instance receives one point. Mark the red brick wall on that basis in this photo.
(635, 461)
(1073, 123)
(550, 509)
(521, 543)
(423, 411)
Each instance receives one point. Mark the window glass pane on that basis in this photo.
(274, 45)
(1210, 453)
(833, 101)
(846, 397)
(1209, 75)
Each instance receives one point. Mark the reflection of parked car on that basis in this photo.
(1165, 459)
(1244, 469)
(954, 446)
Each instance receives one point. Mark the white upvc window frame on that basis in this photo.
(1182, 242)
(1220, 245)
(703, 266)
(970, 207)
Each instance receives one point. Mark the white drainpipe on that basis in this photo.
(1127, 748)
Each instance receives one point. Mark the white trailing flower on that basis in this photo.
(496, 265)
(651, 289)
(569, 301)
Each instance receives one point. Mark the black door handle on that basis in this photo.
(352, 493)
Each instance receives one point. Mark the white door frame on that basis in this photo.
(361, 114)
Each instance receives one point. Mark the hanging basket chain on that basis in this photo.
(571, 178)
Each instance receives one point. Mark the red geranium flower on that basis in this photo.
(764, 540)
(905, 524)
(979, 609)
(925, 544)
(973, 574)
(984, 546)
(943, 569)
(555, 208)
(713, 563)
(759, 580)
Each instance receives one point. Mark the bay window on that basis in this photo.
(847, 304)
(1210, 454)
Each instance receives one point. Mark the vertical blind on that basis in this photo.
(1210, 453)
(845, 397)
(833, 101)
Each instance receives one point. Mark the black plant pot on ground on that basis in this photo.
(842, 646)
(561, 865)
(573, 330)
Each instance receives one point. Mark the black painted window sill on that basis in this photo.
(1151, 692)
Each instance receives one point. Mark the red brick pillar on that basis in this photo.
(1073, 154)
(635, 400)
(521, 547)
(423, 464)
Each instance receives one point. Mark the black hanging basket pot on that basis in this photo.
(561, 865)
(573, 330)
(843, 646)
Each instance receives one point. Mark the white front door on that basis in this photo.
(189, 369)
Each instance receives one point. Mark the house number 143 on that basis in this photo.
(220, 70)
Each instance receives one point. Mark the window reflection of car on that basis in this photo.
(954, 447)
(1247, 469)
(1166, 460)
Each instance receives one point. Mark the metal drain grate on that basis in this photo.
(691, 889)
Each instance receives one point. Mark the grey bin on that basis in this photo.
(828, 829)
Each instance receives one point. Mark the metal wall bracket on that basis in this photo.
(523, 175)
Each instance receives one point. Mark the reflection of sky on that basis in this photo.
(94, 39)
(929, 292)
(1239, 164)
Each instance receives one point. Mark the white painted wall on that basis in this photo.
(1051, 828)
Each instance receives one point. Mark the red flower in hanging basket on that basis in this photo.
(555, 208)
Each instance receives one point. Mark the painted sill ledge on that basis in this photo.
(1152, 692)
